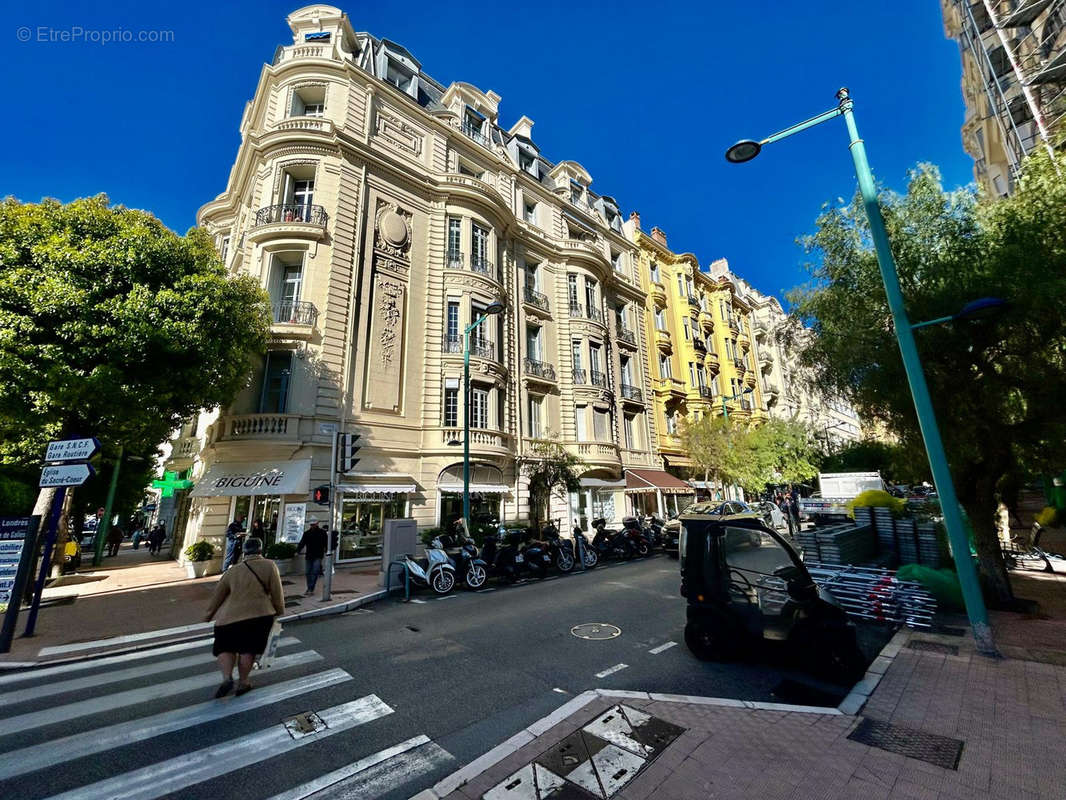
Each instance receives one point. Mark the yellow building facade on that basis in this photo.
(703, 351)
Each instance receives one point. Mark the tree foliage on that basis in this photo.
(897, 463)
(777, 451)
(550, 469)
(114, 326)
(997, 383)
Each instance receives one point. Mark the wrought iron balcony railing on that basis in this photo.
(293, 312)
(632, 393)
(482, 265)
(535, 298)
(706, 391)
(576, 310)
(475, 133)
(456, 260)
(579, 376)
(540, 368)
(594, 314)
(483, 349)
(626, 335)
(598, 378)
(291, 212)
(452, 344)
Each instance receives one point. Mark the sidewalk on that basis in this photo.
(137, 600)
(942, 723)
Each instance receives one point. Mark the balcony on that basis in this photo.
(734, 324)
(576, 310)
(316, 124)
(483, 265)
(770, 395)
(452, 344)
(693, 301)
(699, 345)
(184, 450)
(706, 392)
(766, 360)
(658, 292)
(481, 439)
(632, 393)
(740, 364)
(626, 336)
(671, 386)
(711, 362)
(596, 452)
(662, 339)
(473, 132)
(291, 220)
(761, 328)
(580, 376)
(298, 51)
(539, 369)
(749, 379)
(259, 427)
(597, 378)
(483, 349)
(535, 298)
(293, 314)
(706, 320)
(455, 260)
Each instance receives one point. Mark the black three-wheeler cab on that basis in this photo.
(750, 595)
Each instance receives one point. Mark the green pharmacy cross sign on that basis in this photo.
(169, 483)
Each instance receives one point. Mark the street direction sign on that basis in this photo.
(65, 475)
(72, 449)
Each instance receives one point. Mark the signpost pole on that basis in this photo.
(327, 566)
(46, 560)
(105, 523)
(22, 575)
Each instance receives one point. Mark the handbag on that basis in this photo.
(270, 652)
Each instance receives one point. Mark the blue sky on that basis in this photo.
(645, 95)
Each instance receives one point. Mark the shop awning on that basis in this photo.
(655, 480)
(475, 488)
(601, 483)
(376, 488)
(227, 479)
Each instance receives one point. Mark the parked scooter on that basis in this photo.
(640, 534)
(435, 570)
(616, 544)
(535, 555)
(507, 559)
(469, 567)
(561, 550)
(589, 555)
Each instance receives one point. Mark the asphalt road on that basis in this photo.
(447, 679)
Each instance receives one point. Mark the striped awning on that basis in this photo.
(655, 480)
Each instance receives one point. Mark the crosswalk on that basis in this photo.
(139, 726)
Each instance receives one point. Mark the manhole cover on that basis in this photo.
(940, 750)
(596, 630)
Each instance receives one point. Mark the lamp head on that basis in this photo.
(982, 307)
(453, 443)
(749, 390)
(495, 307)
(744, 150)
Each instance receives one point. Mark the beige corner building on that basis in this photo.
(384, 212)
(1013, 81)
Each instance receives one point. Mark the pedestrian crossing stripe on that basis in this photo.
(59, 751)
(132, 697)
(189, 769)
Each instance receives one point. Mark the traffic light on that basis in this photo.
(348, 448)
(321, 495)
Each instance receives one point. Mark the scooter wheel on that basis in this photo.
(592, 558)
(564, 562)
(643, 550)
(475, 576)
(443, 581)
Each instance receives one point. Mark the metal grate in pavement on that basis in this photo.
(933, 647)
(942, 751)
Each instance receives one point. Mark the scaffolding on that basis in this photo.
(1019, 50)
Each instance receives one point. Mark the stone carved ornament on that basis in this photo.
(390, 307)
(392, 231)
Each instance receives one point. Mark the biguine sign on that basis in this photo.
(229, 479)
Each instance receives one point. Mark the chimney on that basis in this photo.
(658, 235)
(634, 217)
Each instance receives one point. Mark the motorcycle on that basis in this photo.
(560, 550)
(435, 570)
(616, 544)
(507, 559)
(535, 555)
(641, 535)
(589, 556)
(469, 567)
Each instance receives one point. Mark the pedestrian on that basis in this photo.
(155, 540)
(233, 533)
(259, 532)
(794, 496)
(316, 541)
(137, 539)
(115, 535)
(244, 605)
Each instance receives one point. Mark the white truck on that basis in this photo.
(836, 489)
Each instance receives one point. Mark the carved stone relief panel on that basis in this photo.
(399, 135)
(385, 355)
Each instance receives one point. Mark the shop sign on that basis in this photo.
(293, 526)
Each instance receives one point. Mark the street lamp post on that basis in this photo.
(960, 545)
(492, 310)
(730, 399)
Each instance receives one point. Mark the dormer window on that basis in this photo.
(527, 162)
(577, 193)
(399, 76)
(531, 212)
(473, 125)
(308, 101)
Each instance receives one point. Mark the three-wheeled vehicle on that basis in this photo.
(759, 600)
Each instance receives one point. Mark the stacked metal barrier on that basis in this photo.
(872, 593)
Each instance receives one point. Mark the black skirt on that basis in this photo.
(244, 636)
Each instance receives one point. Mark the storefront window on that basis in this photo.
(362, 523)
(484, 510)
(266, 509)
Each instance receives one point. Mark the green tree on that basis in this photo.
(709, 442)
(897, 463)
(997, 384)
(114, 326)
(782, 451)
(550, 469)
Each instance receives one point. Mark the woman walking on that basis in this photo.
(246, 600)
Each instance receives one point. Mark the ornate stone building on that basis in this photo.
(384, 212)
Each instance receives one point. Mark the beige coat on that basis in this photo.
(239, 595)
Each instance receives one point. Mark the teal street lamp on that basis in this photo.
(980, 308)
(493, 309)
(731, 398)
(960, 545)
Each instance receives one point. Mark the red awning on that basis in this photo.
(651, 480)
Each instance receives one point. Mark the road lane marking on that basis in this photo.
(132, 697)
(656, 650)
(448, 597)
(560, 691)
(374, 775)
(189, 769)
(132, 637)
(416, 600)
(482, 591)
(100, 679)
(612, 670)
(60, 751)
